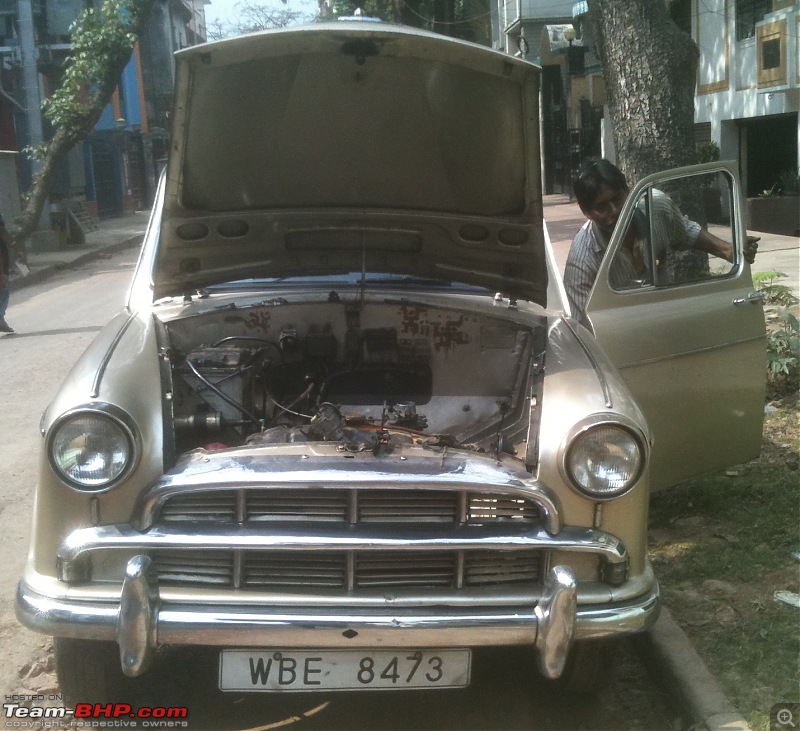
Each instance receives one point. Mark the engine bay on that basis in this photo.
(365, 375)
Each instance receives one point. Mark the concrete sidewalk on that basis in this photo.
(113, 235)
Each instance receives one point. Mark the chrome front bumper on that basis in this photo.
(140, 623)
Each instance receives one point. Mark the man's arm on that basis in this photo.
(717, 247)
(713, 245)
(695, 236)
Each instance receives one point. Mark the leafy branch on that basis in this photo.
(103, 39)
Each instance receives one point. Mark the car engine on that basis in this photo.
(362, 378)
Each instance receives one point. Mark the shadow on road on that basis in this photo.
(47, 333)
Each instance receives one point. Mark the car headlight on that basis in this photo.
(604, 461)
(92, 450)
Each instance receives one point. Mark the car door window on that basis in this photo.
(672, 226)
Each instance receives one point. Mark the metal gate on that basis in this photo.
(554, 122)
(106, 175)
(134, 154)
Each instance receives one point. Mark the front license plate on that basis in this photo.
(308, 670)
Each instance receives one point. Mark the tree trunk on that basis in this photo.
(650, 69)
(28, 221)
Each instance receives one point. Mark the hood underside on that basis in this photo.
(353, 147)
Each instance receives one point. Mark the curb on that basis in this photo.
(43, 273)
(670, 651)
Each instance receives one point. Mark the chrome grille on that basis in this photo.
(349, 506)
(406, 568)
(309, 505)
(495, 508)
(491, 568)
(195, 568)
(200, 506)
(298, 568)
(342, 570)
(391, 506)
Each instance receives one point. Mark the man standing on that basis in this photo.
(601, 191)
(7, 245)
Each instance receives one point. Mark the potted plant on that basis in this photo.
(777, 209)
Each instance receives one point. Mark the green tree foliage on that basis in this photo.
(783, 334)
(103, 38)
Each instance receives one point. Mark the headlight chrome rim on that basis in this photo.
(594, 424)
(116, 417)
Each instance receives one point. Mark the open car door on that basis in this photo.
(685, 329)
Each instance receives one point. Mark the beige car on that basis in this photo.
(346, 429)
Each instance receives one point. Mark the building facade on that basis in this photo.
(116, 168)
(552, 34)
(748, 86)
(747, 95)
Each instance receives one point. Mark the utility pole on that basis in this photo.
(44, 238)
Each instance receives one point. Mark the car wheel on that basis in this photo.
(589, 667)
(89, 671)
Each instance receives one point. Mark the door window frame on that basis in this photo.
(604, 297)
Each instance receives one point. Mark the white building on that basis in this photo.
(748, 86)
(518, 23)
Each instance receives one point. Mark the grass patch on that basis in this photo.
(722, 546)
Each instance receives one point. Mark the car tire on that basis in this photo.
(89, 671)
(589, 667)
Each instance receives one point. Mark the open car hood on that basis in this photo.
(350, 147)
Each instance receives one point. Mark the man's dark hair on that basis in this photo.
(594, 173)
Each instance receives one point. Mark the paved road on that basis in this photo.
(55, 321)
(505, 693)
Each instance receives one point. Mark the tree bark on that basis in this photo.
(650, 69)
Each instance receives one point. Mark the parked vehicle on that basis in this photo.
(346, 429)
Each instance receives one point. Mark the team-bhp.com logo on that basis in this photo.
(97, 715)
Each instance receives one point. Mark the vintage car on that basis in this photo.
(346, 429)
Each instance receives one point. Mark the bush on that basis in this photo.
(789, 182)
(774, 294)
(708, 152)
(783, 335)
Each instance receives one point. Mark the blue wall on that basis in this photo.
(131, 110)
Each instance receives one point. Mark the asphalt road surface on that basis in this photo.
(55, 321)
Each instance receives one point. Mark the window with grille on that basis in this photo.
(748, 13)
